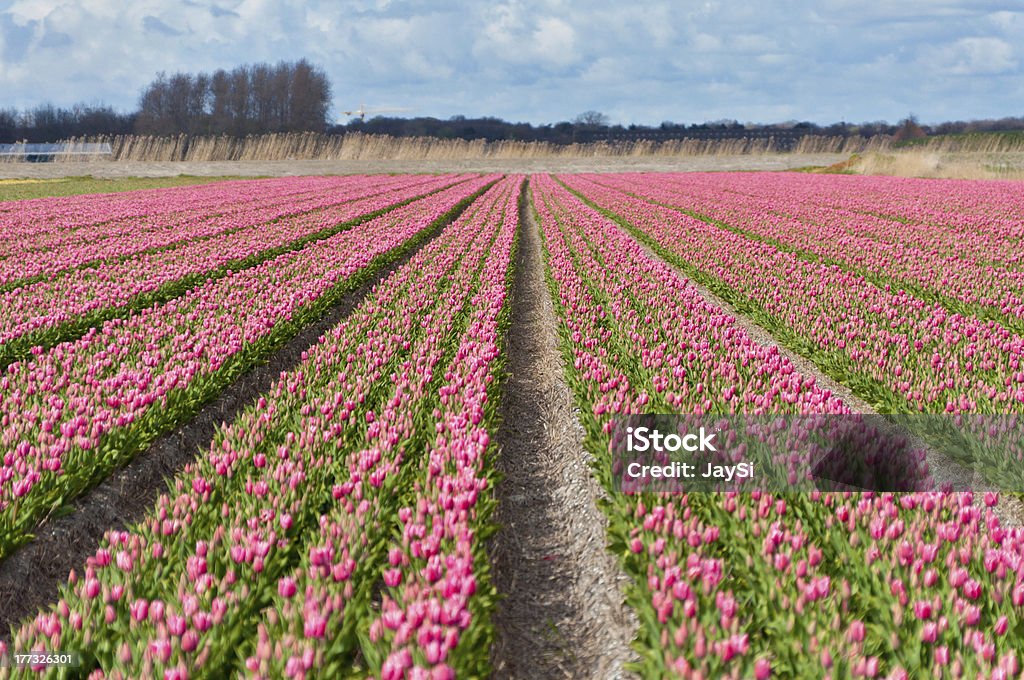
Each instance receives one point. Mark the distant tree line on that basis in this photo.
(254, 99)
(47, 123)
(251, 99)
(592, 126)
(295, 97)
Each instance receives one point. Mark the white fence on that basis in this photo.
(62, 151)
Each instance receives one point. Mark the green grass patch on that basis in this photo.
(21, 189)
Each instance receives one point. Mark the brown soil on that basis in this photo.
(29, 578)
(563, 614)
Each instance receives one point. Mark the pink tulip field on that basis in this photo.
(751, 585)
(72, 414)
(342, 524)
(972, 266)
(63, 306)
(49, 236)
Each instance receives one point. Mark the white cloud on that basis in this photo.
(24, 11)
(657, 20)
(513, 34)
(772, 58)
(972, 56)
(752, 42)
(605, 70)
(704, 42)
(554, 41)
(542, 60)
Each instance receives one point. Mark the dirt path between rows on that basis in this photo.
(563, 614)
(29, 579)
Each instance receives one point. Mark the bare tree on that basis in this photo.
(241, 111)
(249, 100)
(592, 119)
(309, 95)
(153, 107)
(221, 118)
(908, 129)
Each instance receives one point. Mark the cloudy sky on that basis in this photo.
(546, 60)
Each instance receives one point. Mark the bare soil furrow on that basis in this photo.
(563, 613)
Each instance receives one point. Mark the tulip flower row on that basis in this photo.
(122, 239)
(46, 230)
(320, 614)
(54, 223)
(684, 348)
(833, 585)
(29, 218)
(979, 220)
(961, 208)
(899, 353)
(72, 414)
(965, 272)
(435, 612)
(63, 307)
(32, 224)
(267, 552)
(639, 339)
(761, 585)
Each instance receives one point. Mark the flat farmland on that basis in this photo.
(170, 169)
(373, 424)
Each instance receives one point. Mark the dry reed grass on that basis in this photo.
(925, 161)
(358, 146)
(996, 155)
(977, 142)
(974, 156)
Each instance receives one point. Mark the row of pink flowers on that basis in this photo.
(921, 356)
(429, 623)
(976, 268)
(50, 223)
(959, 208)
(321, 605)
(680, 347)
(53, 247)
(73, 408)
(77, 292)
(865, 585)
(980, 220)
(294, 501)
(756, 585)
